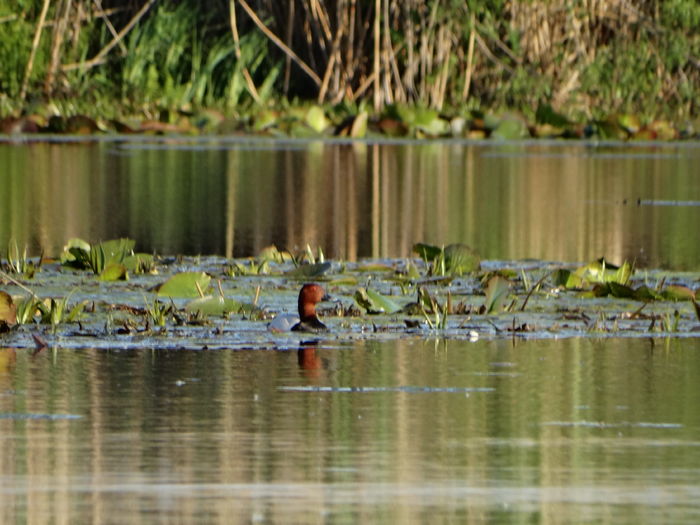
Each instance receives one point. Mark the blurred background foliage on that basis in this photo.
(585, 58)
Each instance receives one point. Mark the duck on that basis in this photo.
(307, 321)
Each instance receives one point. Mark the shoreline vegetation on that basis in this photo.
(415, 68)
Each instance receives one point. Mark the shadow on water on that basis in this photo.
(544, 200)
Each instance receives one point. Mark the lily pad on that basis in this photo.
(310, 270)
(496, 294)
(114, 272)
(678, 293)
(461, 259)
(186, 284)
(375, 303)
(214, 305)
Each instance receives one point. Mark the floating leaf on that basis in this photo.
(214, 305)
(114, 272)
(140, 263)
(75, 253)
(271, 253)
(310, 270)
(186, 284)
(496, 294)
(375, 303)
(427, 252)
(116, 250)
(644, 293)
(621, 291)
(461, 259)
(676, 292)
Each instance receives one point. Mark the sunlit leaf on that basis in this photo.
(359, 126)
(375, 303)
(114, 272)
(213, 305)
(75, 253)
(140, 263)
(461, 259)
(271, 253)
(316, 119)
(186, 284)
(496, 294)
(117, 250)
(678, 293)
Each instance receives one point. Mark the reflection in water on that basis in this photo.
(558, 201)
(220, 436)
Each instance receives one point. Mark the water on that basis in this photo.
(407, 431)
(566, 201)
(402, 429)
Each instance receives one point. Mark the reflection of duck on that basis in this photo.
(306, 321)
(308, 359)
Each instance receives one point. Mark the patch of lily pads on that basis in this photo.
(106, 295)
(313, 121)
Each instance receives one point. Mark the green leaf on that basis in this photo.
(76, 254)
(510, 129)
(644, 293)
(359, 126)
(676, 292)
(140, 263)
(117, 250)
(114, 272)
(375, 303)
(214, 305)
(621, 291)
(427, 252)
(186, 284)
(316, 119)
(461, 259)
(310, 270)
(496, 294)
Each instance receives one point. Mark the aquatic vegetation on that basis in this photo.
(185, 284)
(158, 312)
(453, 259)
(105, 259)
(18, 262)
(372, 298)
(373, 302)
(497, 290)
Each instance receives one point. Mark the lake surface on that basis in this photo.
(360, 427)
(565, 201)
(405, 431)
